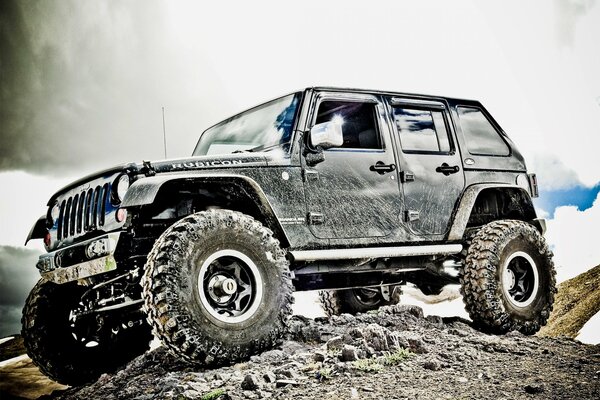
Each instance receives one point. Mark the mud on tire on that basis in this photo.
(217, 287)
(508, 281)
(352, 301)
(52, 347)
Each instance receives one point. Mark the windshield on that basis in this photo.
(260, 128)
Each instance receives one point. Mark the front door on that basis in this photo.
(354, 192)
(430, 164)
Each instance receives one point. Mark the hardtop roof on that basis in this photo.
(452, 100)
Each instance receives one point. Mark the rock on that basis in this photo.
(271, 356)
(379, 338)
(284, 382)
(435, 320)
(190, 394)
(462, 379)
(410, 309)
(335, 343)
(433, 365)
(417, 345)
(354, 393)
(319, 356)
(270, 377)
(250, 382)
(534, 388)
(288, 370)
(349, 353)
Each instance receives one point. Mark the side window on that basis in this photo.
(359, 124)
(422, 130)
(481, 136)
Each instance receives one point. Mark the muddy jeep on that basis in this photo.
(350, 192)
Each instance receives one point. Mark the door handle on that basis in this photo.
(381, 168)
(446, 169)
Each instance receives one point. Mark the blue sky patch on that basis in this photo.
(579, 196)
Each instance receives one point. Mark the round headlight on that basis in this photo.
(121, 186)
(55, 212)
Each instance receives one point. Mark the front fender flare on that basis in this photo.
(144, 191)
(38, 230)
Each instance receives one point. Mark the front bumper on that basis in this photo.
(82, 260)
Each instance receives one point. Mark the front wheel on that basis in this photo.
(508, 280)
(73, 352)
(217, 287)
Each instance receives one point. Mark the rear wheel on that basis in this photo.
(352, 301)
(508, 280)
(217, 287)
(73, 351)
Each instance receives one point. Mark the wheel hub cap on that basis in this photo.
(230, 286)
(520, 279)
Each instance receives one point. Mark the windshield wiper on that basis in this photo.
(258, 148)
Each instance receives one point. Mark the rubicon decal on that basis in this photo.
(201, 164)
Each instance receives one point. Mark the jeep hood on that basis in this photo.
(173, 165)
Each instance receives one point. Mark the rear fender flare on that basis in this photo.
(467, 201)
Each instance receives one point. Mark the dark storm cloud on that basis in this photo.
(82, 84)
(17, 276)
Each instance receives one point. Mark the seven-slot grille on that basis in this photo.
(83, 212)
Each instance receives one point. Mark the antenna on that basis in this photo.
(164, 132)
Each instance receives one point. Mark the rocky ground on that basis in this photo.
(394, 353)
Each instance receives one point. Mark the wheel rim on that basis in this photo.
(520, 280)
(230, 286)
(367, 296)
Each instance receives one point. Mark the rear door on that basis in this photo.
(430, 164)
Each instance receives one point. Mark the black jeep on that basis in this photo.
(352, 192)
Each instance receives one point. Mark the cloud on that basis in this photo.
(23, 202)
(568, 12)
(552, 173)
(83, 83)
(17, 276)
(573, 236)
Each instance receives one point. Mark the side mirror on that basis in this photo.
(327, 134)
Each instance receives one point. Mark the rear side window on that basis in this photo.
(359, 122)
(481, 136)
(422, 130)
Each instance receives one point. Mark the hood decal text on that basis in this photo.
(200, 164)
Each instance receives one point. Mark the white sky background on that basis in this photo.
(535, 65)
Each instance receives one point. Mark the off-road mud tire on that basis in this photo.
(345, 301)
(481, 282)
(171, 293)
(51, 346)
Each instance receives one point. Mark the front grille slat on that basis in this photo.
(67, 218)
(103, 200)
(94, 221)
(88, 209)
(60, 220)
(80, 212)
(74, 212)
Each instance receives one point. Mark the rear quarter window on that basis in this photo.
(481, 136)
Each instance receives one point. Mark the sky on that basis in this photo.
(82, 86)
